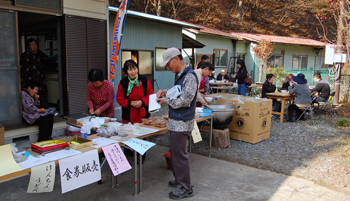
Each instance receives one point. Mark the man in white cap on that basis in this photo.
(181, 120)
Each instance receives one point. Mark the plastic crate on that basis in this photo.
(205, 112)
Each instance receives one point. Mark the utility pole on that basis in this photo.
(339, 51)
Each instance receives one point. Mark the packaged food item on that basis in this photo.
(160, 123)
(146, 121)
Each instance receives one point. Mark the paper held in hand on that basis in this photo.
(153, 106)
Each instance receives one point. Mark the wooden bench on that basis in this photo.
(33, 131)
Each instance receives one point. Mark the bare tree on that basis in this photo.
(176, 7)
(263, 51)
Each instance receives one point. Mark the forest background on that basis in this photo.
(295, 18)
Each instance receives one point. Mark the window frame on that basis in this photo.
(137, 51)
(299, 67)
(322, 59)
(274, 60)
(155, 61)
(220, 50)
(240, 55)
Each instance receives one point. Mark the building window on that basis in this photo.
(199, 57)
(241, 56)
(319, 62)
(159, 59)
(221, 58)
(299, 62)
(143, 58)
(275, 60)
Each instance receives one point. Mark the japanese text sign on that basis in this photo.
(138, 145)
(42, 178)
(80, 170)
(116, 159)
(196, 135)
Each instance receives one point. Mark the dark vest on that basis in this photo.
(125, 83)
(184, 113)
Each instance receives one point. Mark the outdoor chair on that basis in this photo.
(328, 103)
(308, 109)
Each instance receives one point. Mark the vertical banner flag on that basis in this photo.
(117, 36)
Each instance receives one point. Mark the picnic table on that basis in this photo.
(283, 97)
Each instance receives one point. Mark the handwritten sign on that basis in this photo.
(42, 178)
(101, 142)
(78, 171)
(116, 159)
(196, 135)
(138, 145)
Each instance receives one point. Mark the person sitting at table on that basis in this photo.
(240, 76)
(133, 94)
(286, 81)
(99, 94)
(269, 85)
(204, 69)
(223, 76)
(298, 87)
(322, 87)
(34, 115)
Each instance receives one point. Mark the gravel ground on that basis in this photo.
(317, 151)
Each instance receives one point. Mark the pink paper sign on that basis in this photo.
(116, 159)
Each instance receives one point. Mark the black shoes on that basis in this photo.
(180, 193)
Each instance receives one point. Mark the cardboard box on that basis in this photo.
(2, 135)
(82, 142)
(252, 118)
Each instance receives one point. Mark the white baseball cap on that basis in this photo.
(169, 54)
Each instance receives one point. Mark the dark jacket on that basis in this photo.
(285, 86)
(219, 77)
(267, 88)
(323, 89)
(241, 75)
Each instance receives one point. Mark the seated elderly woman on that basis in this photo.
(100, 94)
(34, 115)
(133, 94)
(298, 87)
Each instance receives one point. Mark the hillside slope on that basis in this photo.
(294, 18)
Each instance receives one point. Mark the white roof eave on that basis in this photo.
(155, 18)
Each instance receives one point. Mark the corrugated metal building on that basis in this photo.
(145, 38)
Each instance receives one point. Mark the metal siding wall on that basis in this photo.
(147, 35)
(77, 64)
(97, 43)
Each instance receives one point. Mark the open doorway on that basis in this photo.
(45, 29)
(144, 60)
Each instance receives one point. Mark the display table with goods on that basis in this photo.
(104, 138)
(283, 96)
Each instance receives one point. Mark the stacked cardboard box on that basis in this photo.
(252, 117)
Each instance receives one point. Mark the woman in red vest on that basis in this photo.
(133, 94)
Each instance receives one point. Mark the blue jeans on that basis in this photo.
(242, 89)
